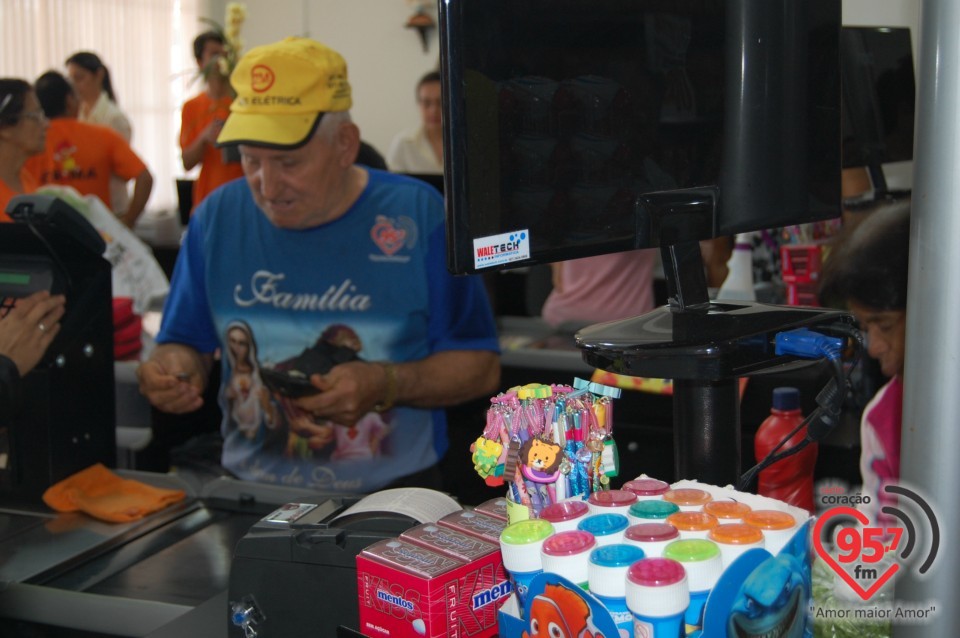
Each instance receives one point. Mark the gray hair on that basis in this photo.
(330, 124)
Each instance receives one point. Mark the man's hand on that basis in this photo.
(174, 377)
(351, 389)
(347, 392)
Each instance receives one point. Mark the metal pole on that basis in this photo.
(931, 411)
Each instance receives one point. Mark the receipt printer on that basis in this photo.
(294, 573)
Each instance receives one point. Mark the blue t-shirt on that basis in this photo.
(374, 280)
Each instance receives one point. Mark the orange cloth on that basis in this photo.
(7, 193)
(102, 494)
(197, 114)
(84, 156)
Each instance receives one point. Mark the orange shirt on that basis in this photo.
(84, 156)
(7, 193)
(197, 114)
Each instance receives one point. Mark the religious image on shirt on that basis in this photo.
(271, 419)
(249, 404)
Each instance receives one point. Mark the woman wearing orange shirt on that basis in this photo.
(23, 133)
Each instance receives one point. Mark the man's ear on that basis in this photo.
(348, 143)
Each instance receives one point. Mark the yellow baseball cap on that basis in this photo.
(283, 89)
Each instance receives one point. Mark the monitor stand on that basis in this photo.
(704, 347)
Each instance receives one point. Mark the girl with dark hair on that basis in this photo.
(23, 133)
(98, 105)
(867, 271)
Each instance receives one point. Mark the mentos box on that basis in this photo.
(407, 589)
(476, 524)
(446, 540)
(495, 507)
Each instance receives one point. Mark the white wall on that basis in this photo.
(883, 13)
(384, 58)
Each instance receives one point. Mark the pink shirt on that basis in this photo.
(603, 288)
(880, 446)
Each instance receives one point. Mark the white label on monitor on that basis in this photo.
(496, 250)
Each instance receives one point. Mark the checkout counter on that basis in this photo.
(182, 571)
(227, 557)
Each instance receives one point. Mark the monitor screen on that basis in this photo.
(878, 95)
(582, 127)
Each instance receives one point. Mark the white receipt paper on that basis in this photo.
(420, 504)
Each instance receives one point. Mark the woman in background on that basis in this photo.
(420, 149)
(601, 288)
(23, 133)
(98, 105)
(98, 102)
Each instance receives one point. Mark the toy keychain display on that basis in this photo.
(549, 442)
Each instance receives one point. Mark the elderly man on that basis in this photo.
(354, 335)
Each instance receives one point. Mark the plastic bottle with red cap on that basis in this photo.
(791, 479)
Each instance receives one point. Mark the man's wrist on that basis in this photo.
(390, 387)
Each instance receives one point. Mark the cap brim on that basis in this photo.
(270, 131)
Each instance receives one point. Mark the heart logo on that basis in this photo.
(832, 562)
(386, 236)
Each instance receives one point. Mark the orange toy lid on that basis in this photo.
(770, 519)
(693, 521)
(735, 534)
(726, 509)
(687, 496)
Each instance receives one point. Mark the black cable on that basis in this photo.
(824, 419)
(747, 477)
(53, 254)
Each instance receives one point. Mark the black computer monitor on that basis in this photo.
(582, 127)
(879, 97)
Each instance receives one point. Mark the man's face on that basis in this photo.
(886, 335)
(211, 50)
(428, 99)
(295, 189)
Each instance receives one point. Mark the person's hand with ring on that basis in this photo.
(28, 329)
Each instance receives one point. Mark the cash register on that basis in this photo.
(66, 421)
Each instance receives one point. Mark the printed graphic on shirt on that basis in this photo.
(267, 288)
(390, 235)
(66, 166)
(270, 419)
